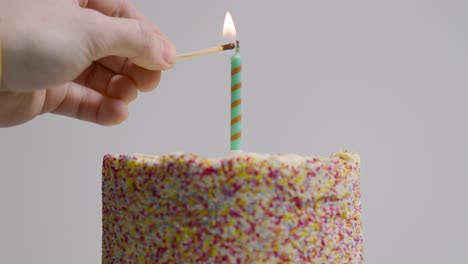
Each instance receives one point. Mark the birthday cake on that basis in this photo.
(243, 208)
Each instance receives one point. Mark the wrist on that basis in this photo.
(1, 66)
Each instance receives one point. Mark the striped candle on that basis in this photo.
(236, 100)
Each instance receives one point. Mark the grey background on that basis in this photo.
(387, 79)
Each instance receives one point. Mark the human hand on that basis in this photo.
(85, 59)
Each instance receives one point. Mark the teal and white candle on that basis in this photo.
(229, 32)
(236, 99)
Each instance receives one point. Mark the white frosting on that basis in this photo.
(288, 158)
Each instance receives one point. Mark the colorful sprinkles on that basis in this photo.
(246, 208)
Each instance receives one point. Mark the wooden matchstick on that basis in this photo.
(202, 52)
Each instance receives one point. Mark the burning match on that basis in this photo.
(198, 53)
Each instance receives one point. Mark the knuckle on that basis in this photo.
(146, 35)
(120, 6)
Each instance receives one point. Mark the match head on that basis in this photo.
(229, 46)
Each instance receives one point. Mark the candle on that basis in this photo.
(236, 100)
(229, 31)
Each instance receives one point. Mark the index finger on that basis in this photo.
(122, 9)
(114, 8)
(117, 8)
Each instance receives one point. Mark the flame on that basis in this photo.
(229, 30)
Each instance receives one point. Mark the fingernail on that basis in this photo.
(169, 51)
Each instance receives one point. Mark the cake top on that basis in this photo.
(287, 158)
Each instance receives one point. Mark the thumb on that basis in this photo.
(131, 38)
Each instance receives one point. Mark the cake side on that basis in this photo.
(311, 170)
(250, 208)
